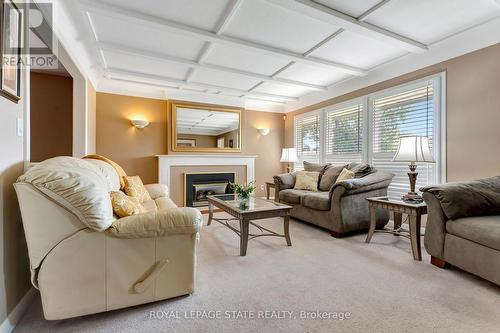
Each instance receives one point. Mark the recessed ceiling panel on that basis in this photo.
(353, 8)
(222, 79)
(199, 13)
(358, 51)
(262, 22)
(313, 74)
(278, 89)
(245, 60)
(428, 21)
(147, 38)
(147, 66)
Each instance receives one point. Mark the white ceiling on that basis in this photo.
(263, 53)
(205, 122)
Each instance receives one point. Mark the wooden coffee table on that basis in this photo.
(255, 209)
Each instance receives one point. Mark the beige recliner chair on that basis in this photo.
(85, 260)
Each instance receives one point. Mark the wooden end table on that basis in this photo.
(256, 209)
(399, 207)
(269, 186)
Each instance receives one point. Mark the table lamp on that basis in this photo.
(289, 155)
(413, 149)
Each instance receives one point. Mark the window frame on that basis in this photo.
(439, 121)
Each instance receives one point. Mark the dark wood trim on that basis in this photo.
(439, 263)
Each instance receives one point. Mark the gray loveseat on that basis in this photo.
(463, 226)
(341, 207)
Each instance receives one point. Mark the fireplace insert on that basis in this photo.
(200, 185)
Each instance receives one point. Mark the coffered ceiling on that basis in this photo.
(268, 53)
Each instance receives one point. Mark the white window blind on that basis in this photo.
(407, 112)
(344, 135)
(307, 139)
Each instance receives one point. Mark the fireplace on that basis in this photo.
(200, 185)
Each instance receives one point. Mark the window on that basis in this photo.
(409, 112)
(368, 130)
(344, 134)
(307, 138)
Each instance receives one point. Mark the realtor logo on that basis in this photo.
(41, 50)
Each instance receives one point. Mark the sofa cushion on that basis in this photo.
(329, 177)
(306, 180)
(119, 170)
(484, 230)
(150, 206)
(77, 185)
(109, 172)
(292, 196)
(360, 169)
(308, 166)
(164, 203)
(317, 200)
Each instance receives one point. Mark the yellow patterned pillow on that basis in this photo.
(345, 175)
(307, 180)
(124, 205)
(135, 188)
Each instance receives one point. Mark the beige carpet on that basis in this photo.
(379, 284)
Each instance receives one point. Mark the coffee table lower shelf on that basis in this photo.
(246, 218)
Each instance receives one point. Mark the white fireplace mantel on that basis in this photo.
(165, 162)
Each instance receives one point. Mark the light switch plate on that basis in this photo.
(20, 127)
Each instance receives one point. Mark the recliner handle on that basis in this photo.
(141, 286)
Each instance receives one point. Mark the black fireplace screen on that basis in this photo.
(200, 185)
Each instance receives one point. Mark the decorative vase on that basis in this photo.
(242, 201)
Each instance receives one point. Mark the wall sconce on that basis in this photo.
(139, 123)
(264, 131)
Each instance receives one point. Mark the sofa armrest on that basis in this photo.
(157, 190)
(175, 221)
(373, 181)
(468, 198)
(435, 228)
(285, 180)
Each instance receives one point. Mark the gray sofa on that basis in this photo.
(342, 208)
(463, 226)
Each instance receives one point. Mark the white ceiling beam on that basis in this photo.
(112, 73)
(123, 14)
(372, 10)
(229, 13)
(111, 47)
(171, 89)
(326, 14)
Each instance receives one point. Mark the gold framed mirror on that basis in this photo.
(206, 128)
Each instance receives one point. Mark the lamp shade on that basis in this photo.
(289, 155)
(413, 149)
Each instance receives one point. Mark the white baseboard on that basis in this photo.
(15, 315)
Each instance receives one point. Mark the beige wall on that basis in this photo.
(51, 116)
(473, 111)
(14, 280)
(135, 149)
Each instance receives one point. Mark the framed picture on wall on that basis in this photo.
(11, 38)
(186, 142)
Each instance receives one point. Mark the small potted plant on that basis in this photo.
(243, 192)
